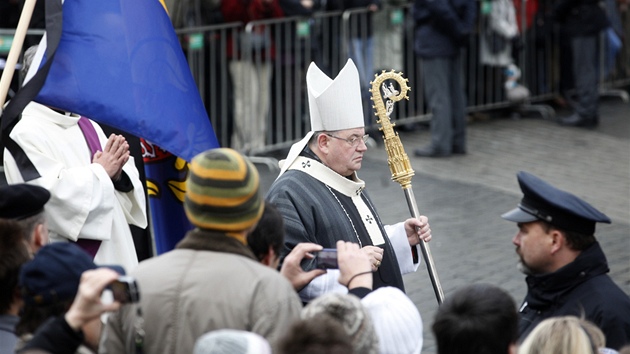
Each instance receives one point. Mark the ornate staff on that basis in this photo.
(397, 158)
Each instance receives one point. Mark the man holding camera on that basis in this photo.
(49, 284)
(321, 198)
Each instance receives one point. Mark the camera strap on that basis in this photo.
(139, 331)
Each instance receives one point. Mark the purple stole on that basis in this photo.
(90, 246)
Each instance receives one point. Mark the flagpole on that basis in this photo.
(16, 49)
(397, 159)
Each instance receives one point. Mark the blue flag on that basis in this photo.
(166, 176)
(120, 63)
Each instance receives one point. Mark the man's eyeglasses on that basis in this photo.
(353, 140)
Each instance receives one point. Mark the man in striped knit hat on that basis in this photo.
(212, 280)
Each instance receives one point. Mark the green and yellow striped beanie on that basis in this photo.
(222, 191)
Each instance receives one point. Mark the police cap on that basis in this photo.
(542, 201)
(19, 201)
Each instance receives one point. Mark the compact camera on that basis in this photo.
(125, 290)
(326, 259)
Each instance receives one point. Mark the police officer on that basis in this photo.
(565, 265)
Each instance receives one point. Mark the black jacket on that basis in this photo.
(581, 17)
(442, 26)
(580, 287)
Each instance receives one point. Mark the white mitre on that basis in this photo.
(333, 105)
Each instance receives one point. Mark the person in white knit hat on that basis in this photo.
(234, 341)
(321, 198)
(397, 321)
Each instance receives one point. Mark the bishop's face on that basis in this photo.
(533, 246)
(345, 150)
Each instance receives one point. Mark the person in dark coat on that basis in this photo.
(441, 29)
(565, 265)
(583, 21)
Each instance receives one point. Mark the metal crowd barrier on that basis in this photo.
(287, 47)
(206, 51)
(6, 40)
(251, 76)
(327, 39)
(615, 68)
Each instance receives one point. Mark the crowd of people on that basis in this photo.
(253, 81)
(247, 278)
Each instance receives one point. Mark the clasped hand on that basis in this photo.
(114, 156)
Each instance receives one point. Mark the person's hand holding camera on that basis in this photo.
(292, 269)
(87, 305)
(354, 266)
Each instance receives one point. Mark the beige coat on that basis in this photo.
(209, 282)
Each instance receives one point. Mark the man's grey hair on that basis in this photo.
(29, 224)
(29, 54)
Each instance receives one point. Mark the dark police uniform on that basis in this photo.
(580, 288)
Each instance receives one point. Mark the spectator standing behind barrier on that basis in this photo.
(361, 51)
(565, 265)
(211, 280)
(477, 318)
(300, 44)
(215, 84)
(250, 67)
(190, 13)
(498, 31)
(323, 201)
(583, 21)
(441, 28)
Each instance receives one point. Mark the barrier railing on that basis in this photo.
(379, 41)
(6, 39)
(293, 43)
(206, 51)
(615, 61)
(251, 76)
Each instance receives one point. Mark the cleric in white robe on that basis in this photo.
(84, 203)
(322, 199)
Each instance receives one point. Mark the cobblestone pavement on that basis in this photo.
(464, 196)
